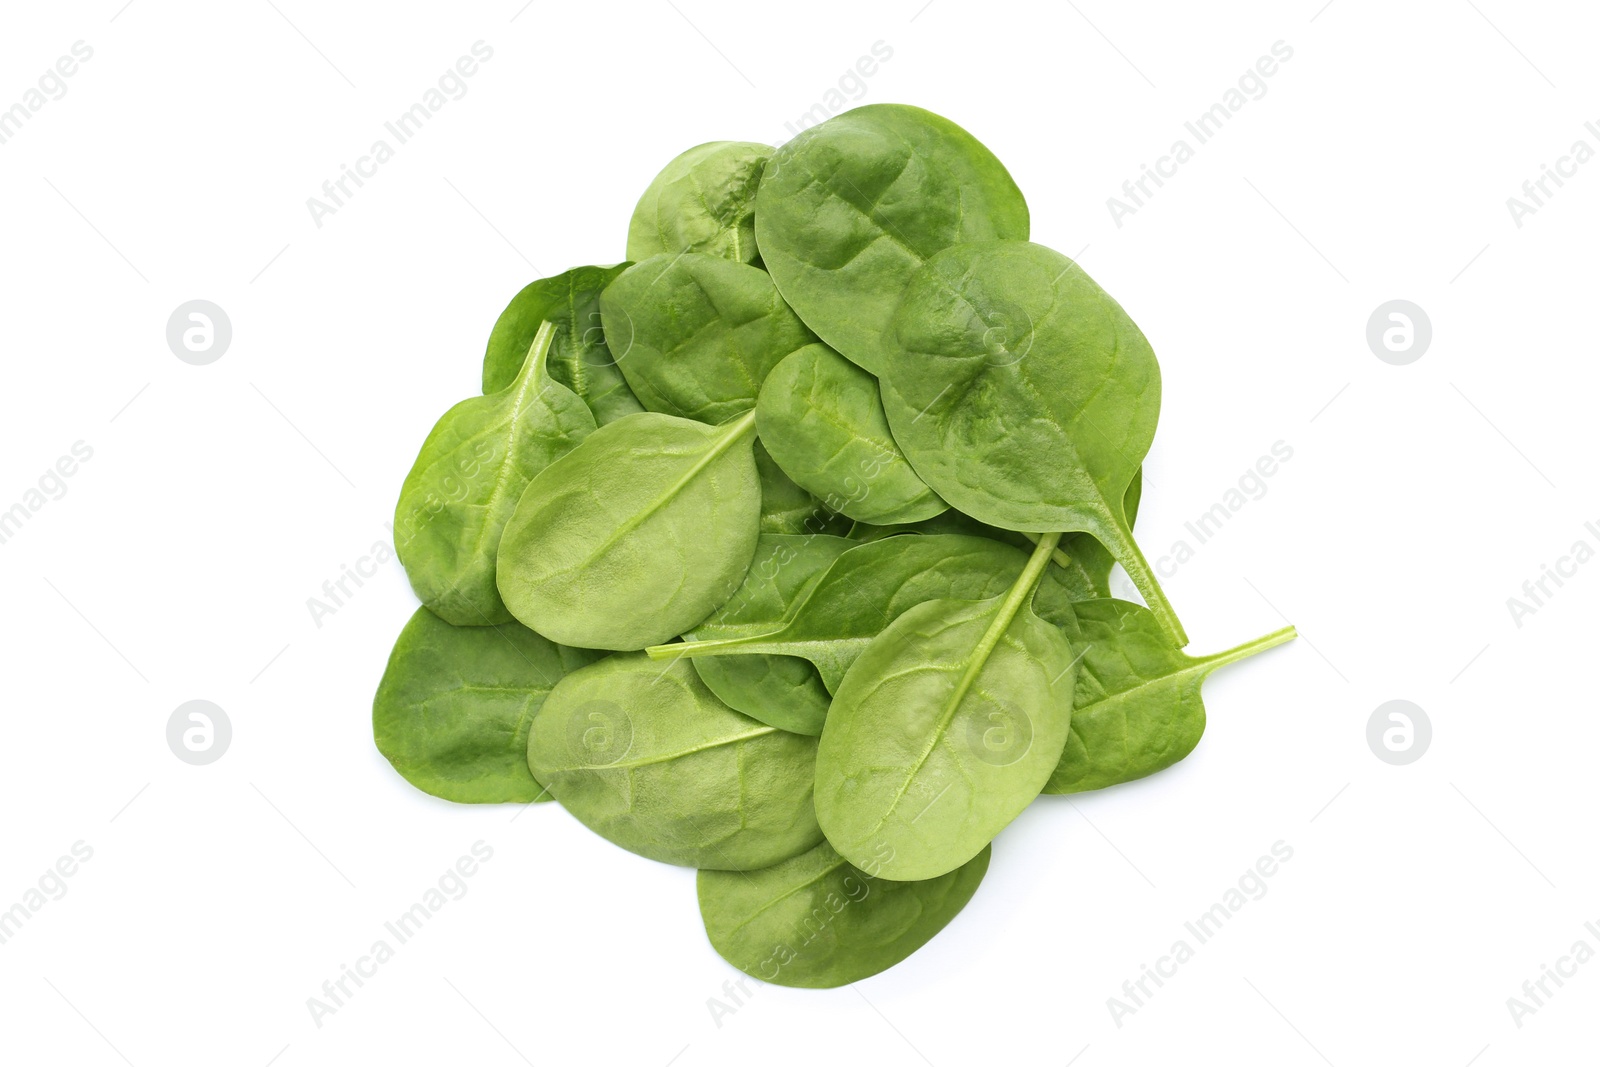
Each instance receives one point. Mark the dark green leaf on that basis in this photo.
(868, 587)
(850, 208)
(782, 691)
(816, 921)
(579, 358)
(696, 335)
(1025, 396)
(1137, 707)
(454, 707)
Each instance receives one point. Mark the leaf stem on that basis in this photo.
(1127, 552)
(533, 364)
(691, 649)
(1250, 648)
(1057, 556)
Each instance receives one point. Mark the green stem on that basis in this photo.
(533, 364)
(727, 645)
(1250, 648)
(1021, 592)
(1058, 557)
(1127, 552)
(742, 425)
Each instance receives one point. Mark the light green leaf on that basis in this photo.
(652, 761)
(466, 482)
(703, 201)
(821, 418)
(636, 535)
(944, 729)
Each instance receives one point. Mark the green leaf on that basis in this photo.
(453, 709)
(1087, 557)
(867, 588)
(944, 729)
(782, 691)
(696, 335)
(787, 508)
(703, 201)
(821, 418)
(579, 358)
(466, 482)
(1137, 707)
(852, 207)
(816, 921)
(636, 535)
(652, 761)
(1074, 576)
(1026, 397)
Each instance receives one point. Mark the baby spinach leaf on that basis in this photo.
(455, 703)
(866, 589)
(821, 418)
(651, 760)
(703, 201)
(1025, 396)
(849, 210)
(1082, 565)
(466, 482)
(696, 335)
(1088, 557)
(1137, 707)
(636, 535)
(579, 358)
(787, 508)
(944, 729)
(816, 921)
(782, 691)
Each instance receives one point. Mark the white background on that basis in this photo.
(179, 562)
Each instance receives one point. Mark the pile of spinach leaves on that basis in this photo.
(783, 549)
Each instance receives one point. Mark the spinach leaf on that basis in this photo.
(579, 358)
(816, 921)
(821, 418)
(455, 703)
(782, 691)
(1137, 707)
(651, 760)
(787, 508)
(696, 335)
(1088, 557)
(636, 535)
(850, 208)
(866, 589)
(703, 201)
(466, 482)
(1083, 567)
(944, 729)
(1026, 397)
